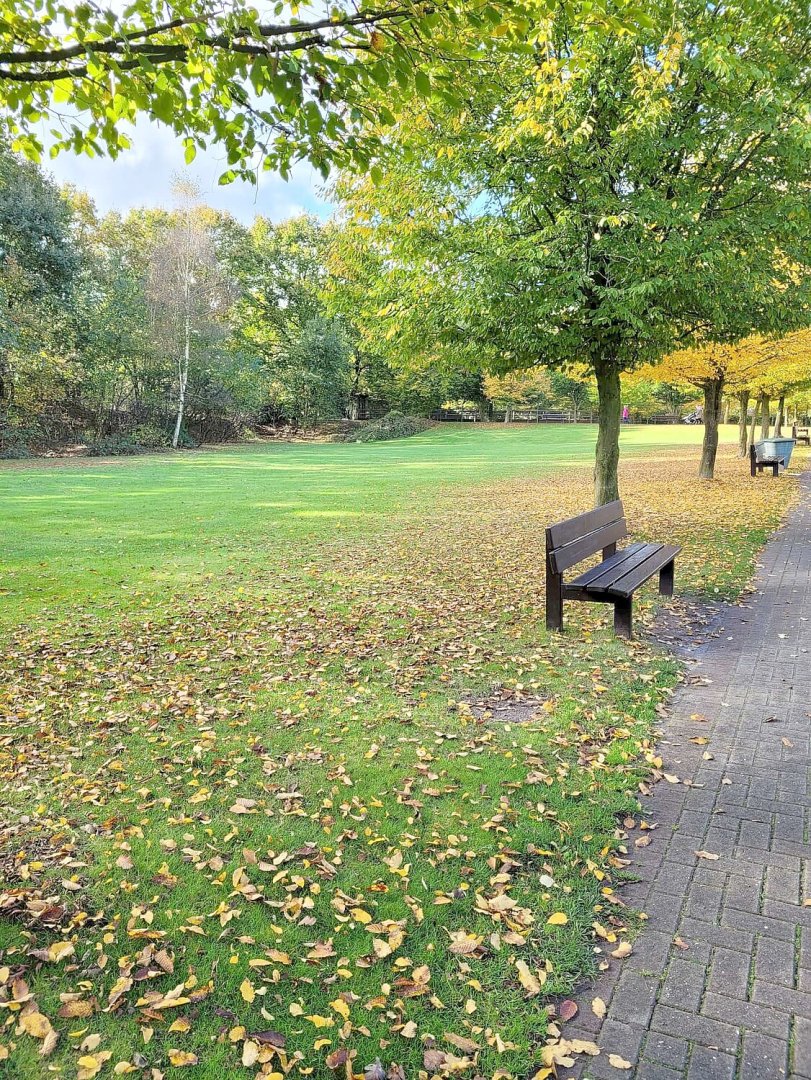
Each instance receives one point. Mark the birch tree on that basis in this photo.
(187, 291)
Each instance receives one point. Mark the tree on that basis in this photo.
(38, 265)
(518, 389)
(187, 291)
(576, 394)
(603, 199)
(269, 92)
(713, 368)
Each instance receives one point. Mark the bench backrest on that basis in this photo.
(569, 542)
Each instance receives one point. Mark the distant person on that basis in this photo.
(626, 416)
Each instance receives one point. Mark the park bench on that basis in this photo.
(758, 464)
(554, 417)
(801, 434)
(612, 581)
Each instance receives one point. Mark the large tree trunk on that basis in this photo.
(743, 427)
(606, 485)
(765, 416)
(713, 397)
(778, 420)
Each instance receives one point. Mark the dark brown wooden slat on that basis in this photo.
(611, 567)
(564, 557)
(630, 582)
(572, 529)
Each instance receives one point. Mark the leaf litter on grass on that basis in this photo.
(259, 832)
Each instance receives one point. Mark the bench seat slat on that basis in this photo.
(573, 529)
(607, 566)
(629, 582)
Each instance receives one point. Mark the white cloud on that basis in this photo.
(142, 176)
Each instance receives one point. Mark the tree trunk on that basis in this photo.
(725, 419)
(713, 396)
(606, 485)
(778, 420)
(743, 432)
(765, 416)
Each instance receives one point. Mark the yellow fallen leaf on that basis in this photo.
(558, 919)
(321, 1021)
(247, 990)
(35, 1024)
(529, 981)
(598, 1007)
(619, 1063)
(341, 1007)
(622, 950)
(182, 1057)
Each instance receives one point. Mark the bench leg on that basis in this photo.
(776, 469)
(622, 618)
(666, 579)
(554, 602)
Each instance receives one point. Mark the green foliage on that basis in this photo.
(601, 198)
(394, 425)
(278, 90)
(115, 446)
(151, 437)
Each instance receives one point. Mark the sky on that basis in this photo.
(142, 176)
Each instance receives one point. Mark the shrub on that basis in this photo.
(14, 452)
(394, 425)
(151, 436)
(114, 445)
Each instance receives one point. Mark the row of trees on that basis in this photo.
(599, 182)
(168, 325)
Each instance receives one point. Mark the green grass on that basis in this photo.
(101, 531)
(302, 627)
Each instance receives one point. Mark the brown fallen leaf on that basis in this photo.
(567, 1010)
(709, 855)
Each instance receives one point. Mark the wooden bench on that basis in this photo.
(612, 581)
(758, 464)
(801, 434)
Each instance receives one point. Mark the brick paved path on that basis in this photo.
(735, 1005)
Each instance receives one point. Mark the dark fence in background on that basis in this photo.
(540, 416)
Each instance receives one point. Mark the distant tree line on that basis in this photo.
(171, 327)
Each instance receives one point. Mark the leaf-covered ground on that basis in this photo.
(254, 822)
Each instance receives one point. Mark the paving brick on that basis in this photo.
(699, 1029)
(774, 961)
(763, 1056)
(747, 1014)
(781, 998)
(666, 1049)
(801, 1051)
(652, 1070)
(683, 986)
(706, 1064)
(634, 998)
(729, 973)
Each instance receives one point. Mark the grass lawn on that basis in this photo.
(251, 825)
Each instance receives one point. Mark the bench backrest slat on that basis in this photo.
(574, 528)
(570, 554)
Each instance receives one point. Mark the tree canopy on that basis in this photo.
(604, 198)
(267, 84)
